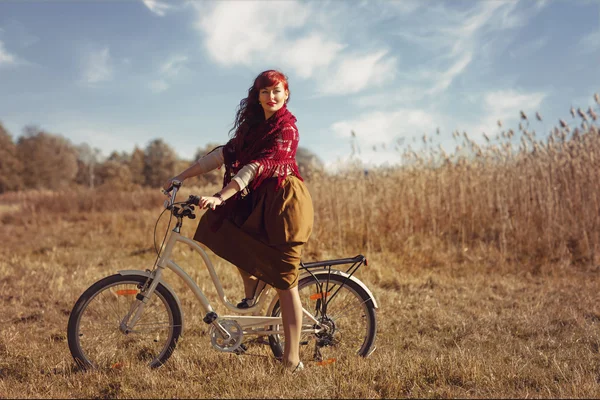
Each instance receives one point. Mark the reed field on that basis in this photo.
(484, 262)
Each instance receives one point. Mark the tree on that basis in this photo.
(115, 175)
(121, 157)
(308, 162)
(49, 161)
(159, 163)
(10, 164)
(136, 166)
(87, 161)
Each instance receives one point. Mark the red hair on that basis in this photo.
(249, 111)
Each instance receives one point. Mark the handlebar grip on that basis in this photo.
(195, 200)
(174, 184)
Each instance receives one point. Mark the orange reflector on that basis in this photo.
(117, 365)
(126, 292)
(318, 295)
(326, 362)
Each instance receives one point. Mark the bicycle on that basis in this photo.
(134, 316)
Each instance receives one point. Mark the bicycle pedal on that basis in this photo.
(262, 340)
(241, 350)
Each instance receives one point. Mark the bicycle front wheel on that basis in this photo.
(95, 335)
(350, 320)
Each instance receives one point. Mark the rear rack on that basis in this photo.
(339, 261)
(356, 262)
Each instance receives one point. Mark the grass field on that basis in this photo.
(451, 323)
(485, 270)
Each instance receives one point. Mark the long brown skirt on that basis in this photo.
(267, 240)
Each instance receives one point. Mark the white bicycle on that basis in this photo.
(135, 317)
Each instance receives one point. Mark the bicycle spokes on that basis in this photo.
(345, 320)
(101, 330)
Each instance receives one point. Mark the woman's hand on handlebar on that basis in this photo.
(210, 202)
(169, 183)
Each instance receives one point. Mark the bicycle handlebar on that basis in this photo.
(175, 185)
(188, 205)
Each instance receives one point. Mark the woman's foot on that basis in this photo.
(248, 302)
(298, 368)
(293, 367)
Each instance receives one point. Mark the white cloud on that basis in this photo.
(157, 7)
(377, 127)
(254, 33)
(5, 57)
(173, 66)
(456, 38)
(354, 73)
(382, 130)
(169, 71)
(242, 32)
(97, 67)
(307, 54)
(444, 79)
(377, 132)
(505, 105)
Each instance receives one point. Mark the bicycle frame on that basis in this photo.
(249, 323)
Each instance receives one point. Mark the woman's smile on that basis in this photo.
(272, 98)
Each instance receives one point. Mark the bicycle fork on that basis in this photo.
(136, 310)
(141, 299)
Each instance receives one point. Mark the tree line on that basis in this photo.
(42, 160)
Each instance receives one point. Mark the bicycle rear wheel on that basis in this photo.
(350, 320)
(94, 334)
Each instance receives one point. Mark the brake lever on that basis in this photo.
(195, 200)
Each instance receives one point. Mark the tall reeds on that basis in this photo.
(525, 198)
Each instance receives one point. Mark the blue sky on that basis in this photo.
(115, 74)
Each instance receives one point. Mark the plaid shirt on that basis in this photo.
(272, 145)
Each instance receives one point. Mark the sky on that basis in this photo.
(120, 73)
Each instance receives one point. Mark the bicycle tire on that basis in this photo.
(83, 356)
(348, 286)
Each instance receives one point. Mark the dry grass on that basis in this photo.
(484, 269)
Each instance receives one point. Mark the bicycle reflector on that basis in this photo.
(317, 296)
(126, 292)
(326, 362)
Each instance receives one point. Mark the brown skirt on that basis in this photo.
(266, 241)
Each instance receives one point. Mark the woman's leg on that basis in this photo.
(291, 314)
(250, 283)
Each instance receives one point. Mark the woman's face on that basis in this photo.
(272, 98)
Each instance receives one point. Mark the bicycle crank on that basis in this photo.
(230, 344)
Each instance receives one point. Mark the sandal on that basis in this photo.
(249, 302)
(246, 303)
(298, 368)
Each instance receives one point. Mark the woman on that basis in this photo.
(263, 215)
